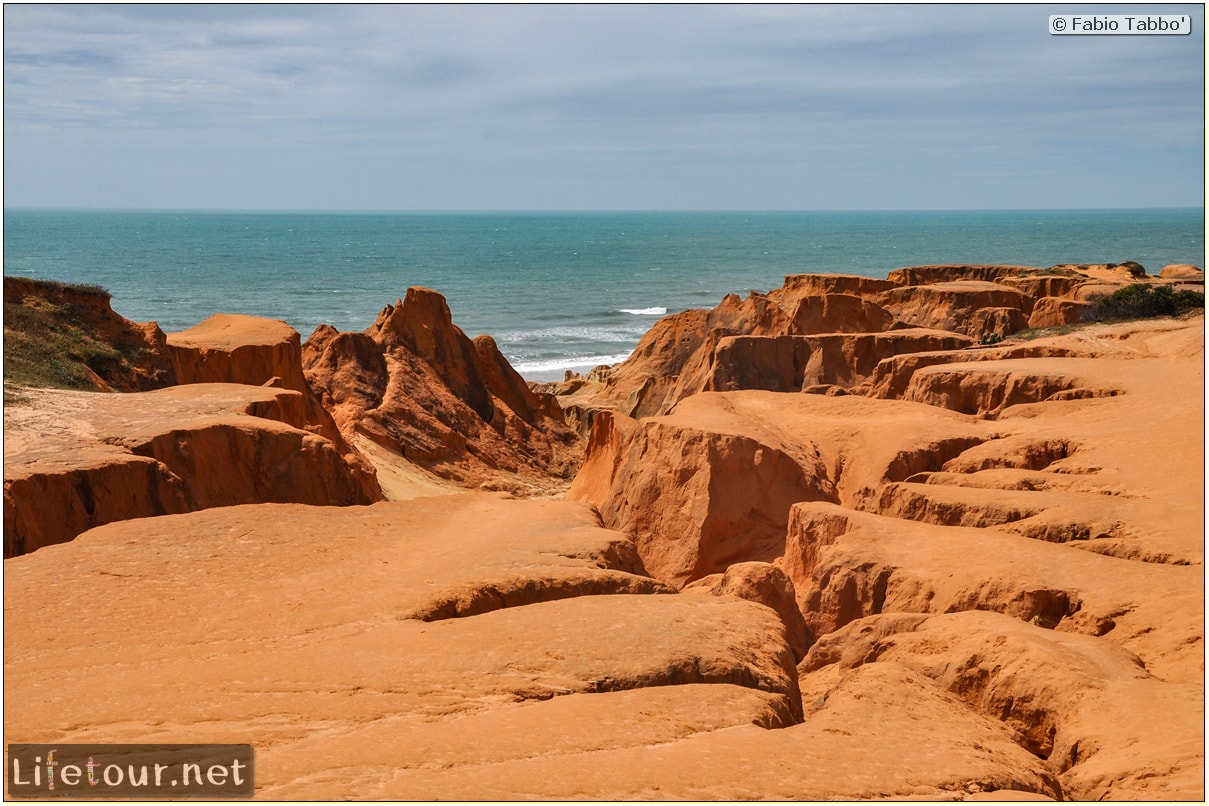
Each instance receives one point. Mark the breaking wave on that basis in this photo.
(553, 368)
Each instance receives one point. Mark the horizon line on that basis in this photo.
(570, 211)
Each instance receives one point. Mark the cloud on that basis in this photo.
(425, 106)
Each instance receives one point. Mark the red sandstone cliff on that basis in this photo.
(827, 333)
(232, 348)
(229, 420)
(999, 523)
(990, 553)
(75, 460)
(416, 385)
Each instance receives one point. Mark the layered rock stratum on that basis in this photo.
(850, 539)
(422, 391)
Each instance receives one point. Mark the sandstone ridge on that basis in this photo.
(827, 333)
(854, 538)
(104, 458)
(386, 413)
(1017, 481)
(419, 388)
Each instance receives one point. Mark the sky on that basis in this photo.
(596, 107)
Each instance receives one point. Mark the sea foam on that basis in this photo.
(568, 335)
(553, 369)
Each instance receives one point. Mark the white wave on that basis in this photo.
(557, 366)
(653, 311)
(629, 333)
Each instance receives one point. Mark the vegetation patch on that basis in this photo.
(1143, 301)
(66, 336)
(1058, 271)
(55, 335)
(45, 345)
(23, 286)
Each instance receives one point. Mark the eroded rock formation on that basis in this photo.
(251, 350)
(798, 515)
(827, 333)
(418, 387)
(75, 460)
(506, 632)
(995, 509)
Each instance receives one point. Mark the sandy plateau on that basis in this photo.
(851, 539)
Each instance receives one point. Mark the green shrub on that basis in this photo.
(1144, 301)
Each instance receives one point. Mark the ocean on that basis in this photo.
(557, 291)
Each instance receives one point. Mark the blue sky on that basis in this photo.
(633, 107)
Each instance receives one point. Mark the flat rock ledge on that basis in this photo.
(111, 457)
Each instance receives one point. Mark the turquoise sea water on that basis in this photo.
(557, 290)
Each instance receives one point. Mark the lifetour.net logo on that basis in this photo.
(106, 771)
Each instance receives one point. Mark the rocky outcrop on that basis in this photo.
(101, 487)
(506, 384)
(234, 348)
(892, 376)
(768, 585)
(104, 458)
(422, 327)
(960, 306)
(838, 313)
(995, 324)
(986, 388)
(671, 360)
(69, 336)
(713, 483)
(955, 272)
(1183, 272)
(1072, 700)
(1042, 534)
(851, 323)
(795, 363)
(416, 385)
(251, 350)
(696, 501)
(799, 285)
(353, 372)
(1050, 311)
(1039, 286)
